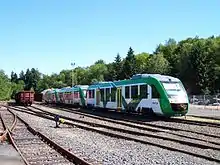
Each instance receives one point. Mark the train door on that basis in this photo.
(155, 100)
(98, 97)
(119, 98)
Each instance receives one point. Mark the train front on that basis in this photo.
(177, 97)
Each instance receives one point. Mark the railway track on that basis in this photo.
(140, 126)
(145, 137)
(214, 119)
(1, 125)
(4, 128)
(34, 147)
(132, 117)
(135, 124)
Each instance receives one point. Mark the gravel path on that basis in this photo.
(202, 129)
(7, 117)
(200, 110)
(108, 150)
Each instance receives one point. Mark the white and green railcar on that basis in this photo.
(148, 93)
(50, 96)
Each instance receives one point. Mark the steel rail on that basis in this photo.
(70, 156)
(117, 135)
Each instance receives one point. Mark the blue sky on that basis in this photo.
(50, 34)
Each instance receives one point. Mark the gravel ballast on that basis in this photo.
(201, 129)
(108, 150)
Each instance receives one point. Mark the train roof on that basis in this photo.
(159, 77)
(138, 78)
(74, 88)
(54, 90)
(82, 86)
(64, 89)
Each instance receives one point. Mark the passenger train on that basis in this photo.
(144, 93)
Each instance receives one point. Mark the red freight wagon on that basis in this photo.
(24, 97)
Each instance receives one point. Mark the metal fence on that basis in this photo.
(211, 100)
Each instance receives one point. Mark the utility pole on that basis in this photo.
(76, 77)
(72, 64)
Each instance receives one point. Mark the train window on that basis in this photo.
(143, 91)
(84, 93)
(75, 94)
(134, 91)
(107, 95)
(91, 94)
(127, 92)
(102, 94)
(155, 93)
(113, 93)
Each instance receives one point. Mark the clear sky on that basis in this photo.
(50, 34)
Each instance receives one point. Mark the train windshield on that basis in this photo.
(173, 88)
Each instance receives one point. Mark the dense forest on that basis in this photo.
(195, 61)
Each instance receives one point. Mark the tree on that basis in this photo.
(68, 77)
(17, 87)
(158, 64)
(22, 75)
(118, 67)
(81, 75)
(14, 77)
(44, 83)
(129, 66)
(97, 71)
(28, 80)
(195, 61)
(202, 64)
(5, 86)
(111, 73)
(142, 62)
(100, 62)
(31, 78)
(35, 77)
(169, 52)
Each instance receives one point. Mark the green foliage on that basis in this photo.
(81, 76)
(202, 60)
(31, 78)
(158, 64)
(111, 73)
(17, 87)
(5, 87)
(117, 68)
(97, 72)
(196, 61)
(129, 66)
(114, 70)
(142, 62)
(14, 77)
(168, 51)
